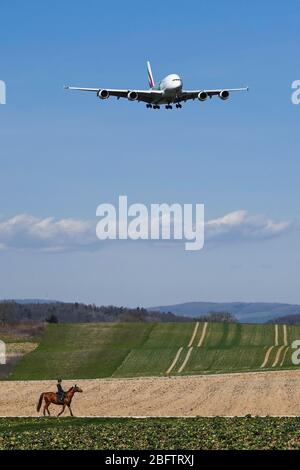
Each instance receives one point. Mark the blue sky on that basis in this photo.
(63, 153)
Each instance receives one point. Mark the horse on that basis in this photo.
(51, 397)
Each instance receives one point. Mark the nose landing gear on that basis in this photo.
(178, 105)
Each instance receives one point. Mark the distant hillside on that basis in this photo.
(40, 310)
(287, 320)
(30, 301)
(253, 312)
(60, 312)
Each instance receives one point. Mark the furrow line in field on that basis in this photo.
(267, 357)
(285, 337)
(282, 362)
(276, 335)
(186, 360)
(276, 360)
(194, 334)
(202, 335)
(175, 360)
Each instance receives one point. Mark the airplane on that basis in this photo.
(167, 92)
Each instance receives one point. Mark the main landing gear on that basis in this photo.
(155, 106)
(178, 106)
(168, 106)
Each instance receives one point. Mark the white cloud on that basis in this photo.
(27, 232)
(239, 225)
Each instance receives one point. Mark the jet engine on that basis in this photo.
(132, 96)
(202, 96)
(224, 95)
(103, 94)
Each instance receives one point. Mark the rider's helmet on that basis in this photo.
(59, 381)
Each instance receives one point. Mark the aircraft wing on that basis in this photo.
(193, 94)
(148, 96)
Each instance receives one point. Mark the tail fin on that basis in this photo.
(150, 75)
(40, 402)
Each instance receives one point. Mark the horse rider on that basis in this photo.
(60, 391)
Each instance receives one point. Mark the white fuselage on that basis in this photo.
(171, 86)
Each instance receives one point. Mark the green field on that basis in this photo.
(150, 433)
(150, 349)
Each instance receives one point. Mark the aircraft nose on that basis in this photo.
(177, 83)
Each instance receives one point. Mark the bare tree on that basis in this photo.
(5, 311)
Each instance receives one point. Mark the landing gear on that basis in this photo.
(168, 106)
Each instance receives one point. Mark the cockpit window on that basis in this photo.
(176, 80)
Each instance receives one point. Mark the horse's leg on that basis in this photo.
(63, 409)
(69, 406)
(44, 409)
(48, 409)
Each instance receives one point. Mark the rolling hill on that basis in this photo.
(156, 349)
(245, 312)
(288, 319)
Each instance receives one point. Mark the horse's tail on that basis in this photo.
(40, 402)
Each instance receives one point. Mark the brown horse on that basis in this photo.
(51, 397)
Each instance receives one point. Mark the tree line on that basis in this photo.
(61, 312)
